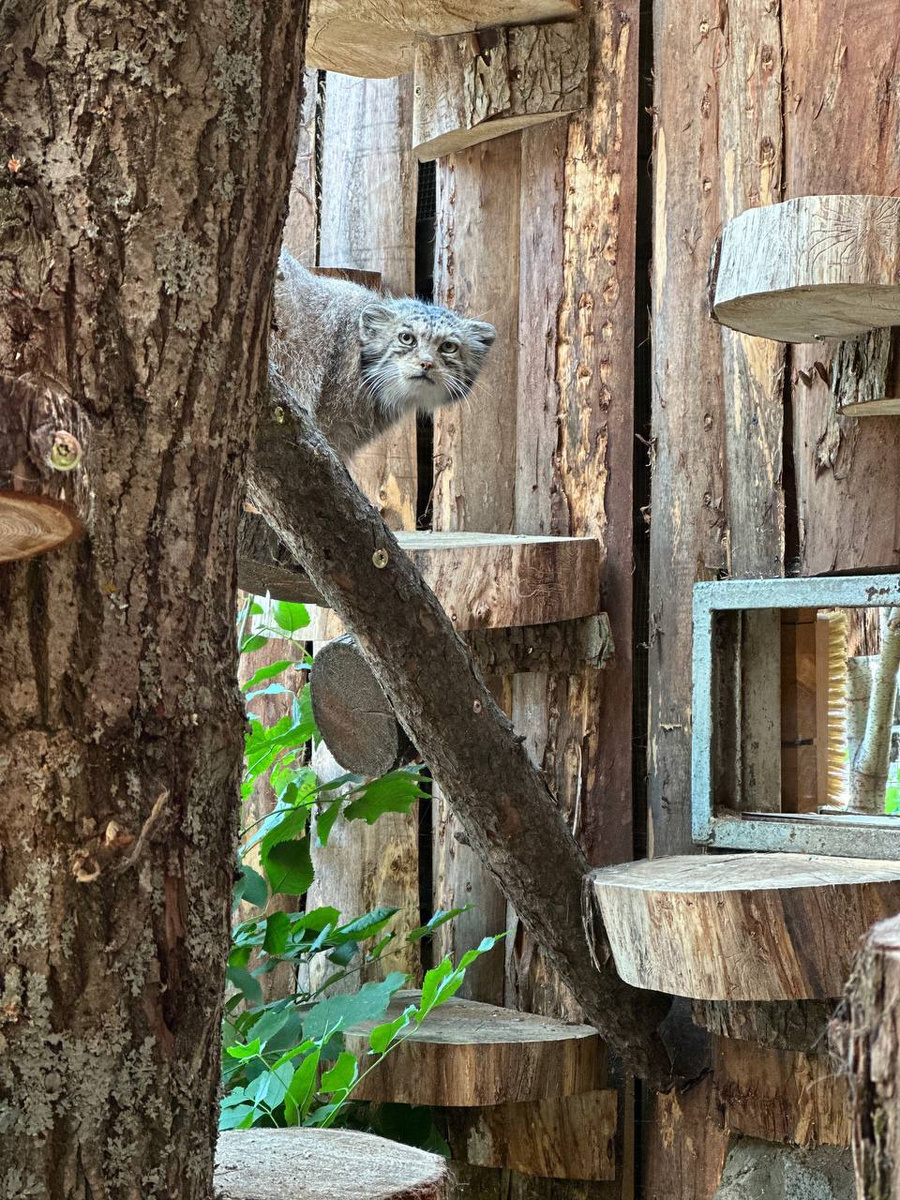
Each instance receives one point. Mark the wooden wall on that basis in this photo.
(754, 473)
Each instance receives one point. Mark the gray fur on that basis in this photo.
(357, 360)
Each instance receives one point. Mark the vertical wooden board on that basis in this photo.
(717, 403)
(842, 113)
(761, 711)
(799, 711)
(301, 226)
(368, 222)
(477, 273)
(717, 507)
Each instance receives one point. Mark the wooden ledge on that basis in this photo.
(814, 267)
(483, 580)
(325, 1164)
(743, 926)
(377, 38)
(467, 1055)
(475, 87)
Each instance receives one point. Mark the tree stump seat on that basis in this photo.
(325, 1164)
(378, 38)
(483, 580)
(813, 267)
(469, 1055)
(743, 926)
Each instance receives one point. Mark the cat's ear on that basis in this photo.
(482, 334)
(374, 321)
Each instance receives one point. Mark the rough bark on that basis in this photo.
(508, 814)
(145, 152)
(865, 1037)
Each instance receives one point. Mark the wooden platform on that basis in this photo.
(475, 87)
(468, 1055)
(743, 926)
(325, 1164)
(814, 267)
(484, 581)
(377, 38)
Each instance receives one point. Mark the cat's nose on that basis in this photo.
(427, 364)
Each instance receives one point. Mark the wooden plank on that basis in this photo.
(368, 222)
(842, 114)
(782, 1095)
(570, 1138)
(477, 271)
(743, 926)
(761, 711)
(325, 1164)
(469, 1054)
(378, 38)
(814, 267)
(799, 711)
(474, 88)
(685, 1149)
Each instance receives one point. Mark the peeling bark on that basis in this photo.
(143, 153)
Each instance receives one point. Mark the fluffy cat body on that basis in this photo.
(359, 362)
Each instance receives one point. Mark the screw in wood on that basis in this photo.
(65, 453)
(381, 558)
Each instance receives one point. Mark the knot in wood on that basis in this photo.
(65, 452)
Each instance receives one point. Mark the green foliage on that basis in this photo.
(284, 1063)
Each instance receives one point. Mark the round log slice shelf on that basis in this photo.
(743, 926)
(468, 1055)
(325, 1164)
(814, 267)
(31, 525)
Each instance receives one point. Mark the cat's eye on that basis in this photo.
(405, 338)
(449, 347)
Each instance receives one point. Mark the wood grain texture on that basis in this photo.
(378, 38)
(44, 484)
(469, 1054)
(865, 1038)
(800, 1025)
(842, 118)
(782, 1095)
(477, 274)
(686, 1152)
(810, 268)
(325, 1164)
(569, 1138)
(368, 223)
(484, 581)
(743, 926)
(474, 88)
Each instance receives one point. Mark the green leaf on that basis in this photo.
(325, 821)
(342, 1075)
(365, 926)
(255, 641)
(343, 1012)
(278, 928)
(302, 1089)
(255, 890)
(441, 917)
(289, 867)
(396, 792)
(240, 1117)
(431, 983)
(245, 983)
(271, 1088)
(270, 1024)
(382, 1035)
(290, 617)
(251, 1050)
(264, 674)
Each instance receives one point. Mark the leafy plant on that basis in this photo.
(284, 1062)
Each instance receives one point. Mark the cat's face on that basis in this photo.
(416, 355)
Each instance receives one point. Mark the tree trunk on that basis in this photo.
(869, 774)
(145, 151)
(507, 812)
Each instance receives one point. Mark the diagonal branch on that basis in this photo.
(508, 813)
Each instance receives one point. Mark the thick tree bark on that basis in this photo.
(143, 152)
(507, 811)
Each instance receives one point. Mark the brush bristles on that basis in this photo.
(838, 773)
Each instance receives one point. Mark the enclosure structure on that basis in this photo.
(752, 464)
